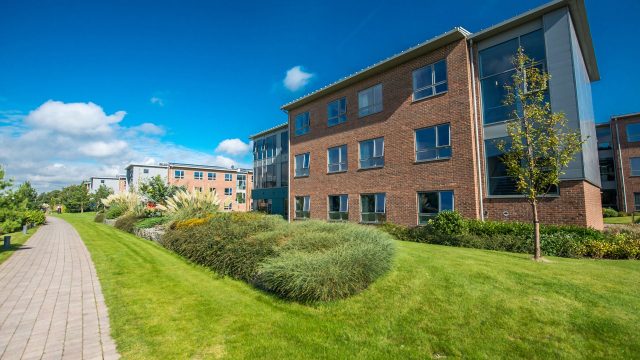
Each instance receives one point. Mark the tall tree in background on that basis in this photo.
(26, 197)
(157, 190)
(102, 193)
(75, 198)
(540, 145)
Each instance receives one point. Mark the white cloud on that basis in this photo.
(296, 78)
(54, 146)
(233, 147)
(157, 101)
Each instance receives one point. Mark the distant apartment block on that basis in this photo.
(117, 184)
(271, 170)
(137, 174)
(619, 156)
(415, 134)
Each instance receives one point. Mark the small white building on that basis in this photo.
(116, 183)
(137, 174)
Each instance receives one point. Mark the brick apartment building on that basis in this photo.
(619, 154)
(233, 185)
(414, 134)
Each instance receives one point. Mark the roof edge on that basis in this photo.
(457, 33)
(269, 130)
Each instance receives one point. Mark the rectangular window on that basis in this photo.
(607, 170)
(302, 207)
(433, 143)
(431, 203)
(228, 207)
(284, 174)
(303, 122)
(497, 69)
(372, 153)
(197, 175)
(241, 181)
(228, 191)
(178, 174)
(337, 111)
(145, 171)
(228, 177)
(633, 132)
(241, 198)
(370, 100)
(339, 207)
(337, 159)
(636, 201)
(430, 80)
(284, 142)
(302, 165)
(635, 166)
(211, 176)
(498, 182)
(603, 135)
(270, 147)
(373, 208)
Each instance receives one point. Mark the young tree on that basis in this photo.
(540, 145)
(102, 193)
(157, 190)
(4, 183)
(75, 198)
(26, 197)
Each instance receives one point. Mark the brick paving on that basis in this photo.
(51, 303)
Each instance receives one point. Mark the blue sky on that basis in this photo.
(197, 73)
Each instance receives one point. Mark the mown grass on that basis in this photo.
(17, 241)
(437, 301)
(619, 220)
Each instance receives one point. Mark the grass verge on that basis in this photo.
(619, 220)
(437, 301)
(17, 240)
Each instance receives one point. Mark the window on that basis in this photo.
(197, 188)
(270, 176)
(228, 177)
(636, 201)
(430, 80)
(211, 176)
(607, 170)
(337, 111)
(372, 153)
(498, 182)
(270, 147)
(433, 143)
(603, 135)
(258, 149)
(370, 100)
(373, 208)
(431, 203)
(302, 207)
(228, 191)
(241, 181)
(284, 142)
(337, 158)
(302, 165)
(496, 71)
(178, 174)
(635, 166)
(197, 175)
(284, 174)
(338, 207)
(101, 181)
(241, 198)
(145, 171)
(633, 132)
(303, 122)
(228, 207)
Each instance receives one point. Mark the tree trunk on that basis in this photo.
(536, 232)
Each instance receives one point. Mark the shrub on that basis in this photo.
(229, 243)
(325, 261)
(9, 226)
(151, 222)
(114, 212)
(99, 218)
(448, 223)
(622, 213)
(35, 217)
(609, 212)
(126, 222)
(185, 205)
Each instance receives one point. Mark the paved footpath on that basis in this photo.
(51, 303)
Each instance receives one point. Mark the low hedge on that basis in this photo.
(114, 211)
(303, 261)
(563, 241)
(126, 222)
(150, 222)
(12, 220)
(99, 218)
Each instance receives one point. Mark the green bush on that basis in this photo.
(448, 223)
(114, 211)
(229, 243)
(623, 213)
(609, 212)
(9, 226)
(99, 218)
(126, 222)
(35, 217)
(151, 222)
(322, 261)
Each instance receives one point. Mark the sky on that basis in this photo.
(87, 87)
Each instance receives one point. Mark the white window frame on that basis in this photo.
(342, 162)
(371, 108)
(211, 176)
(636, 171)
(342, 215)
(433, 80)
(439, 192)
(196, 177)
(437, 147)
(632, 138)
(342, 113)
(178, 174)
(306, 207)
(373, 152)
(305, 127)
(229, 192)
(375, 207)
(307, 160)
(228, 177)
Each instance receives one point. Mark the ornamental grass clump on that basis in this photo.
(197, 204)
(321, 261)
(122, 203)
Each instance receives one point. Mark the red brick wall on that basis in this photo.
(627, 151)
(400, 178)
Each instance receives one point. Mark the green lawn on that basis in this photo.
(17, 240)
(619, 220)
(436, 302)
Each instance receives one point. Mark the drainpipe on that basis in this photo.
(624, 190)
(476, 127)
